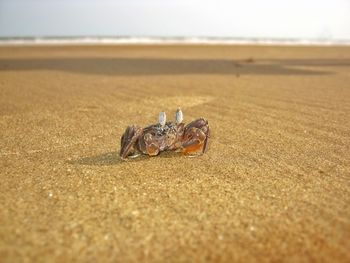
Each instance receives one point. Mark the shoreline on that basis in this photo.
(14, 41)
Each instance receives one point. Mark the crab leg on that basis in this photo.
(207, 136)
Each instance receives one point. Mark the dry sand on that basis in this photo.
(274, 185)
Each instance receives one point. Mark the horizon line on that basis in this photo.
(166, 40)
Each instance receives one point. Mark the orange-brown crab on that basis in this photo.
(165, 136)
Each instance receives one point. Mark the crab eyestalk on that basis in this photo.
(178, 116)
(162, 118)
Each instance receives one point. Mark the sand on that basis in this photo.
(274, 185)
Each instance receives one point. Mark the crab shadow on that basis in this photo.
(112, 158)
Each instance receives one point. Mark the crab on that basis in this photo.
(191, 139)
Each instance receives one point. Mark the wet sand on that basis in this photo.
(274, 185)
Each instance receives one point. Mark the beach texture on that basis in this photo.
(274, 185)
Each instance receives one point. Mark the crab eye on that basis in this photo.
(178, 116)
(162, 118)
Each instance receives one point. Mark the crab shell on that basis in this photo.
(190, 139)
(160, 138)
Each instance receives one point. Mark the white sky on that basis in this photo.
(311, 19)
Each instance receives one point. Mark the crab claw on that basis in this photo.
(128, 141)
(178, 116)
(196, 137)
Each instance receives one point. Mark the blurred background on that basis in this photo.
(327, 20)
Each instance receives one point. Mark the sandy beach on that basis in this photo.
(273, 187)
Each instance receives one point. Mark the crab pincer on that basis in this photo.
(128, 140)
(196, 136)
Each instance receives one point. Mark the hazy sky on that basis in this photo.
(312, 19)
